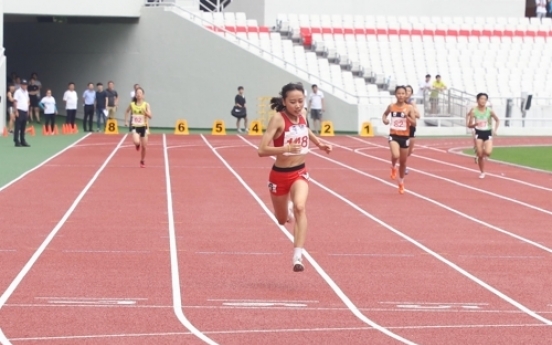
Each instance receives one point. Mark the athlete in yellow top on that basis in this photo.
(140, 113)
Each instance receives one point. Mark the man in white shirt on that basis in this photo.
(425, 87)
(316, 107)
(71, 98)
(21, 106)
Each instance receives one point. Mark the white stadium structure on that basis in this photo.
(190, 61)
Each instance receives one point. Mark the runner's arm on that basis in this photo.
(276, 122)
(496, 120)
(469, 119)
(411, 116)
(385, 114)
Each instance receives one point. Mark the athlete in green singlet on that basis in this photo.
(482, 119)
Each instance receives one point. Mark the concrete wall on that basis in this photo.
(187, 72)
(102, 8)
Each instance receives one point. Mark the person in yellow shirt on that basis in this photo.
(140, 113)
(437, 87)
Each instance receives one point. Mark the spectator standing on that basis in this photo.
(541, 8)
(101, 107)
(71, 99)
(21, 107)
(9, 107)
(316, 107)
(33, 96)
(112, 100)
(133, 92)
(48, 105)
(240, 110)
(436, 88)
(89, 99)
(425, 87)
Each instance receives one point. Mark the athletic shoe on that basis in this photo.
(406, 171)
(393, 173)
(291, 217)
(142, 164)
(298, 266)
(401, 188)
(482, 175)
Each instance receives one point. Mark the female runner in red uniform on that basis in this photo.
(288, 178)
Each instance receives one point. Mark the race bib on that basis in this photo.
(481, 124)
(297, 134)
(399, 124)
(138, 120)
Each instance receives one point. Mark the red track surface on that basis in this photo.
(115, 246)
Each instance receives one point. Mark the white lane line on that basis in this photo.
(175, 273)
(421, 246)
(354, 309)
(463, 185)
(15, 283)
(437, 203)
(236, 253)
(42, 164)
(465, 168)
(276, 331)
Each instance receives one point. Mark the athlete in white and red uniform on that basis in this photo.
(288, 179)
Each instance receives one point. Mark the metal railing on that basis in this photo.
(323, 84)
(452, 106)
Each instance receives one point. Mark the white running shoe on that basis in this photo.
(482, 175)
(291, 217)
(298, 266)
(406, 171)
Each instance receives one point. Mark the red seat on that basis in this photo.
(381, 32)
(241, 29)
(427, 32)
(359, 31)
(337, 30)
(464, 33)
(348, 31)
(498, 33)
(486, 33)
(316, 30)
(416, 32)
(404, 32)
(519, 33)
(326, 30)
(264, 29)
(541, 33)
(370, 31)
(475, 33)
(452, 32)
(392, 32)
(507, 33)
(230, 28)
(530, 33)
(252, 29)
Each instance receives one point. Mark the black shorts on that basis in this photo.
(404, 142)
(34, 101)
(412, 131)
(316, 114)
(140, 130)
(483, 135)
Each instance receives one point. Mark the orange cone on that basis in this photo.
(5, 132)
(75, 129)
(31, 130)
(56, 130)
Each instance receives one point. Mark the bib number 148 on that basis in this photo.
(303, 141)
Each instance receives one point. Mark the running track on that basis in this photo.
(95, 250)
